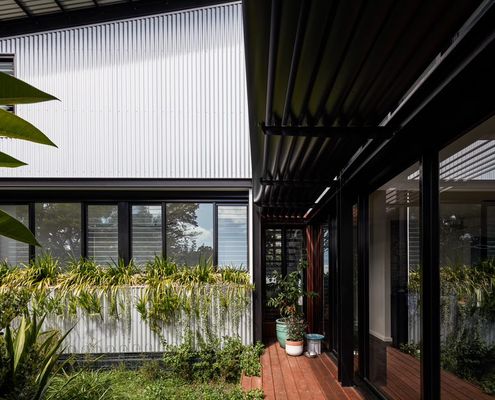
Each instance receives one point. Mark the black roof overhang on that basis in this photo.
(322, 78)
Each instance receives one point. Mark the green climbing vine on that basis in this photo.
(162, 292)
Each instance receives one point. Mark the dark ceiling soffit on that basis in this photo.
(93, 15)
(350, 132)
(470, 44)
(103, 184)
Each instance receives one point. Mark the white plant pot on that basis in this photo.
(294, 348)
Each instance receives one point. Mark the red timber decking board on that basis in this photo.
(300, 378)
(403, 381)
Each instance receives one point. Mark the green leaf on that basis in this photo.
(7, 161)
(14, 91)
(13, 229)
(15, 127)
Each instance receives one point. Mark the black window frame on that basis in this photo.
(125, 213)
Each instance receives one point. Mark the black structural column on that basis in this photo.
(346, 300)
(334, 283)
(257, 274)
(363, 291)
(124, 231)
(430, 282)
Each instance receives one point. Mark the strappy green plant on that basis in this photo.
(14, 91)
(28, 348)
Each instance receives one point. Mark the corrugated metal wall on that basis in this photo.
(161, 96)
(130, 334)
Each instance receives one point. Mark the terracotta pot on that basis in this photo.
(294, 348)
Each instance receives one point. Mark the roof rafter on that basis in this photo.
(357, 132)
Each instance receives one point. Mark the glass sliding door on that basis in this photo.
(467, 265)
(394, 291)
(284, 249)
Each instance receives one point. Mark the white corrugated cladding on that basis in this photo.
(161, 96)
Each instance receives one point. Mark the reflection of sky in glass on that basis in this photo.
(204, 217)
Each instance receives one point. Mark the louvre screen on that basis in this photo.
(103, 232)
(232, 236)
(147, 235)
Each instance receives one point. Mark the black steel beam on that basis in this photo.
(293, 183)
(430, 277)
(345, 132)
(23, 7)
(59, 5)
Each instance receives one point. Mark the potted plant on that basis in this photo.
(287, 293)
(296, 328)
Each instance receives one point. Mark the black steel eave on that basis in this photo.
(96, 14)
(346, 132)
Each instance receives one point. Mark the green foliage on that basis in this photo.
(150, 382)
(13, 303)
(413, 349)
(296, 328)
(288, 290)
(473, 285)
(28, 359)
(212, 361)
(171, 291)
(15, 91)
(85, 385)
(10, 227)
(465, 354)
(250, 359)
(179, 390)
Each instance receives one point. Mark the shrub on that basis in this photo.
(85, 385)
(212, 362)
(28, 358)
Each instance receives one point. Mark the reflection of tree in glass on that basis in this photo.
(182, 234)
(58, 229)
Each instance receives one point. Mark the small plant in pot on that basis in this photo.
(296, 328)
(287, 292)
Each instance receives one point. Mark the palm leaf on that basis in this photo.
(7, 161)
(13, 229)
(15, 127)
(15, 91)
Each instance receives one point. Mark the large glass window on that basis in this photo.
(146, 236)
(394, 292)
(58, 229)
(467, 266)
(189, 232)
(12, 251)
(103, 233)
(232, 235)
